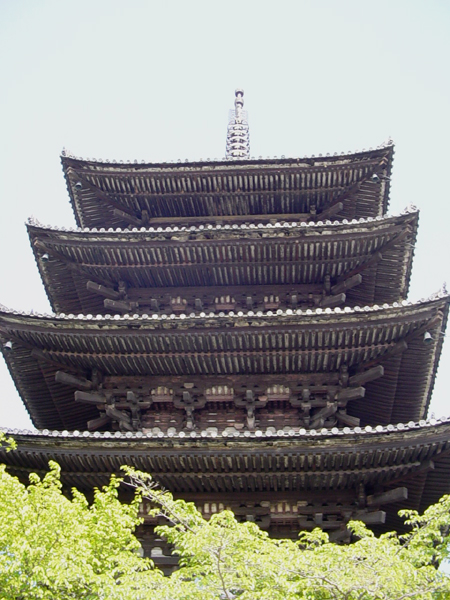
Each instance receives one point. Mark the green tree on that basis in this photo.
(53, 547)
(222, 558)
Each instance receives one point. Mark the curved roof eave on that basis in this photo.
(150, 345)
(103, 181)
(135, 248)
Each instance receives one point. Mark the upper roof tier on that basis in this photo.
(110, 194)
(282, 265)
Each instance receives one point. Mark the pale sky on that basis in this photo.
(155, 80)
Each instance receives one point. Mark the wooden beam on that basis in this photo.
(120, 305)
(318, 519)
(331, 301)
(132, 219)
(305, 524)
(241, 291)
(78, 382)
(324, 412)
(331, 508)
(102, 290)
(348, 394)
(237, 193)
(437, 319)
(396, 495)
(403, 233)
(294, 380)
(219, 219)
(154, 304)
(42, 355)
(332, 210)
(366, 376)
(394, 350)
(311, 497)
(117, 415)
(346, 419)
(94, 424)
(340, 535)
(256, 511)
(370, 518)
(142, 405)
(347, 284)
(349, 190)
(413, 469)
(90, 398)
(361, 267)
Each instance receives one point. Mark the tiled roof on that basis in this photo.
(227, 343)
(98, 189)
(286, 254)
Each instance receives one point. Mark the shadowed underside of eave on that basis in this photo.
(156, 268)
(215, 351)
(102, 193)
(295, 471)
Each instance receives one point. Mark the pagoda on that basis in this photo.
(240, 329)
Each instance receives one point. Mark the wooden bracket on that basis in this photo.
(72, 380)
(189, 403)
(366, 376)
(347, 284)
(318, 419)
(395, 495)
(346, 419)
(101, 421)
(332, 210)
(102, 290)
(250, 403)
(120, 305)
(332, 301)
(90, 397)
(130, 219)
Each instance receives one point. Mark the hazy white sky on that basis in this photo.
(155, 80)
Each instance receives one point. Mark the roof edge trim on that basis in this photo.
(270, 432)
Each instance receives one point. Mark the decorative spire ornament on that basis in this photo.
(238, 139)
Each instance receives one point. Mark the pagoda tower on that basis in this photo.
(241, 330)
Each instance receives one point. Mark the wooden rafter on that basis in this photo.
(76, 176)
(70, 263)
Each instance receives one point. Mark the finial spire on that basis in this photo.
(238, 141)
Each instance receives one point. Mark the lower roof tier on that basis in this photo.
(328, 264)
(339, 474)
(381, 360)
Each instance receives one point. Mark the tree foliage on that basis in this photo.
(53, 547)
(224, 559)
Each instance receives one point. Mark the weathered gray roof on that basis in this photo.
(213, 345)
(290, 253)
(295, 466)
(224, 188)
